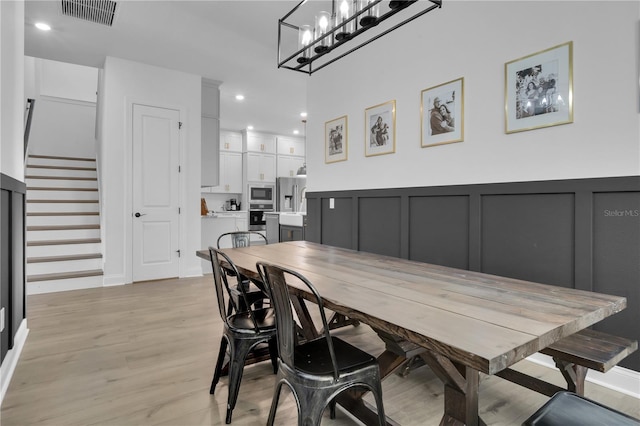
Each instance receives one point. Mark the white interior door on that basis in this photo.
(155, 214)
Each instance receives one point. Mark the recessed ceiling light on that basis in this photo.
(303, 114)
(249, 127)
(42, 26)
(239, 97)
(295, 132)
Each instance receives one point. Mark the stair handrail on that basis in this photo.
(28, 115)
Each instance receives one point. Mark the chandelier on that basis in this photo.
(310, 38)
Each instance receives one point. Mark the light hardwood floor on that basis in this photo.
(144, 354)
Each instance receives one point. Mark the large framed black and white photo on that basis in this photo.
(539, 89)
(380, 129)
(442, 114)
(336, 143)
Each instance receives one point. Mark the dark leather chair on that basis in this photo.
(244, 329)
(316, 370)
(569, 409)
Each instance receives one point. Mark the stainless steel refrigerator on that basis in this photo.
(290, 194)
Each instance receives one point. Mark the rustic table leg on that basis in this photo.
(460, 390)
(351, 400)
(573, 374)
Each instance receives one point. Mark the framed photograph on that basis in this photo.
(380, 129)
(442, 114)
(336, 137)
(539, 89)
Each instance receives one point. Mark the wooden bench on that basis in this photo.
(574, 356)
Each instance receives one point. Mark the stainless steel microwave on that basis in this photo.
(261, 196)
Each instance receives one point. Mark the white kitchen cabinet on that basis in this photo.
(210, 133)
(258, 142)
(209, 151)
(230, 141)
(260, 167)
(291, 146)
(288, 165)
(230, 173)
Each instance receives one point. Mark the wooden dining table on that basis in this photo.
(460, 322)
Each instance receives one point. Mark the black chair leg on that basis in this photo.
(218, 370)
(332, 409)
(273, 352)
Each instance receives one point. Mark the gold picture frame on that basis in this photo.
(442, 114)
(336, 140)
(539, 89)
(380, 129)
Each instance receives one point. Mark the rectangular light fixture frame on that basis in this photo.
(321, 60)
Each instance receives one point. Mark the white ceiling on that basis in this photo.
(234, 42)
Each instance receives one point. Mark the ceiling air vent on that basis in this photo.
(98, 11)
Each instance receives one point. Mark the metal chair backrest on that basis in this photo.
(241, 238)
(275, 279)
(223, 290)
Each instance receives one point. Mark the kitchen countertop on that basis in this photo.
(229, 213)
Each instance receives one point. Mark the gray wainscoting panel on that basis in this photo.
(578, 233)
(439, 230)
(5, 268)
(12, 283)
(314, 217)
(379, 225)
(337, 223)
(616, 260)
(529, 237)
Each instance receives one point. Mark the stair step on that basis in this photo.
(60, 227)
(62, 201)
(63, 242)
(61, 177)
(64, 258)
(55, 157)
(64, 275)
(62, 220)
(53, 188)
(43, 166)
(61, 195)
(63, 250)
(40, 287)
(63, 213)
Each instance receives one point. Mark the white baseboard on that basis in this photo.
(113, 280)
(195, 271)
(619, 379)
(11, 359)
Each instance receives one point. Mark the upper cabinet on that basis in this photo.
(230, 141)
(230, 164)
(260, 167)
(259, 142)
(210, 133)
(291, 146)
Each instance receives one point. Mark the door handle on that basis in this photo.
(139, 214)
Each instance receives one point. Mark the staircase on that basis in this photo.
(64, 250)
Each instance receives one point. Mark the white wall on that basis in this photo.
(65, 113)
(12, 100)
(474, 40)
(123, 83)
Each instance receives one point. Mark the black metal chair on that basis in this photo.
(569, 409)
(244, 329)
(317, 370)
(235, 239)
(240, 238)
